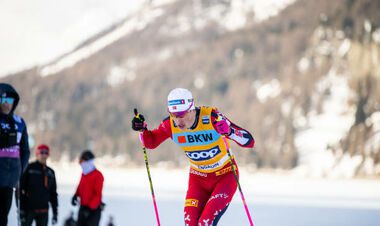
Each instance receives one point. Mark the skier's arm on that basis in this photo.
(153, 138)
(54, 196)
(24, 179)
(77, 191)
(241, 136)
(23, 188)
(24, 149)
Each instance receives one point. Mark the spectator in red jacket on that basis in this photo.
(89, 192)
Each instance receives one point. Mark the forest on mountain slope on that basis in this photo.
(79, 108)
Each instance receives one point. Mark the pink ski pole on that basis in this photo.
(238, 183)
(150, 178)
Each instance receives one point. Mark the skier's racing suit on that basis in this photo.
(211, 181)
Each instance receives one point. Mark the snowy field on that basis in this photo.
(273, 198)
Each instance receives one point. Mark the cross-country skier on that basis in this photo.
(198, 131)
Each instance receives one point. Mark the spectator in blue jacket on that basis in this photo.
(14, 148)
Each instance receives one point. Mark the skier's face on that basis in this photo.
(186, 121)
(6, 104)
(42, 156)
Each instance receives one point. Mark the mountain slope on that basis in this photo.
(265, 75)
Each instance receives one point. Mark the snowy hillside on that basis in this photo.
(38, 31)
(322, 132)
(287, 71)
(230, 15)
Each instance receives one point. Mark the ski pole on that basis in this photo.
(238, 183)
(148, 171)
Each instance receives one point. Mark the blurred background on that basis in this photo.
(303, 76)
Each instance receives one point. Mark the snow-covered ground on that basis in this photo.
(128, 198)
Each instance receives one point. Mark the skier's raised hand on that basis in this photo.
(138, 122)
(222, 126)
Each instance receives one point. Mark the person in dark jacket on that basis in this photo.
(38, 189)
(14, 148)
(89, 192)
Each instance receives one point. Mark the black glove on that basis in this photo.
(54, 220)
(74, 200)
(138, 122)
(102, 206)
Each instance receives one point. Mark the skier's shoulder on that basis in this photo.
(33, 165)
(165, 125)
(50, 171)
(18, 118)
(208, 110)
(166, 119)
(21, 125)
(98, 173)
(33, 168)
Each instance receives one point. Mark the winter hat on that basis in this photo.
(42, 147)
(180, 101)
(87, 155)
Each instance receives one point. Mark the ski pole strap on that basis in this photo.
(142, 140)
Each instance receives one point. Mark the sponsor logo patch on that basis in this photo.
(198, 173)
(219, 196)
(201, 138)
(238, 133)
(224, 171)
(192, 202)
(203, 155)
(11, 152)
(211, 166)
(181, 139)
(5, 126)
(205, 120)
(197, 138)
(176, 102)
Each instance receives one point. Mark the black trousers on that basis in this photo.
(40, 218)
(6, 194)
(88, 217)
